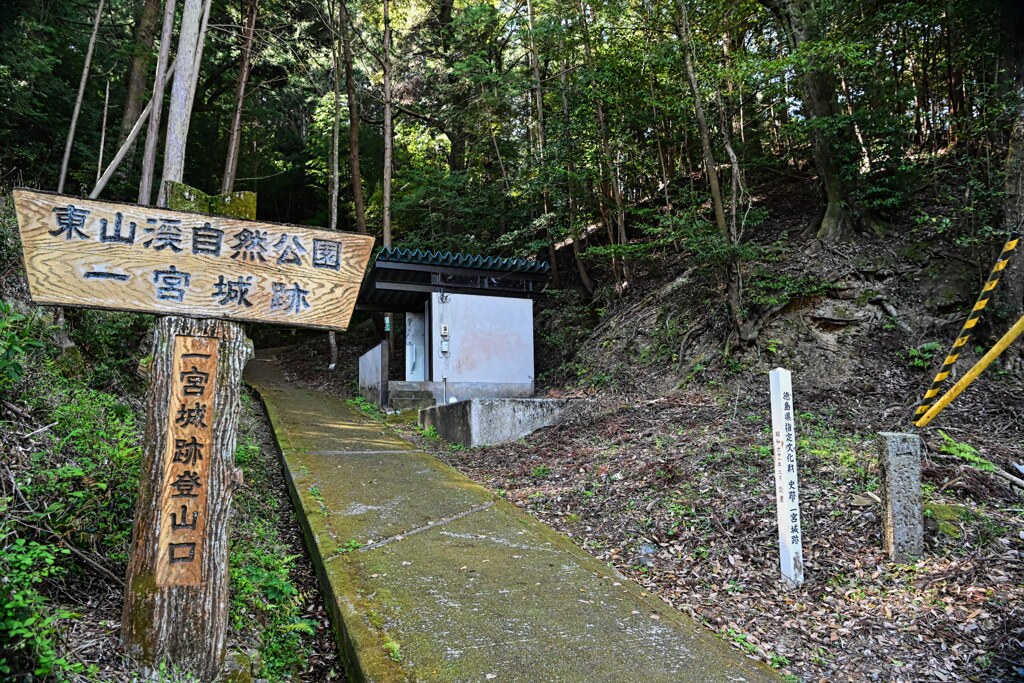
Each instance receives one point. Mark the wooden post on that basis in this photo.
(85, 253)
(80, 252)
(176, 595)
(787, 486)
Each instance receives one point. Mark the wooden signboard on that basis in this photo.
(80, 252)
(186, 463)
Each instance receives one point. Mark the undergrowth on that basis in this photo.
(265, 601)
(70, 487)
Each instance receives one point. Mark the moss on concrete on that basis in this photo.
(458, 583)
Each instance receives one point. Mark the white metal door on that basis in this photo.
(415, 348)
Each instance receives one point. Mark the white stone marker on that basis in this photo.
(787, 490)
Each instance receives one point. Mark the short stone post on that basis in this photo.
(902, 513)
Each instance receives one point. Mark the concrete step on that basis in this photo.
(412, 393)
(404, 403)
(430, 577)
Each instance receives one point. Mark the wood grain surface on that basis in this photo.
(85, 253)
(187, 455)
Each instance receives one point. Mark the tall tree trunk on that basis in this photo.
(334, 189)
(801, 24)
(661, 154)
(156, 104)
(78, 100)
(710, 165)
(570, 192)
(235, 142)
(1011, 297)
(389, 134)
(542, 142)
(167, 620)
(332, 208)
(182, 93)
(606, 151)
(103, 131)
(711, 168)
(138, 75)
(353, 119)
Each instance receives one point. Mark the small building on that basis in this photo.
(467, 330)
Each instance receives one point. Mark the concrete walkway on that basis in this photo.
(430, 577)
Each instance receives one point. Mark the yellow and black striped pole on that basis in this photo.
(972, 320)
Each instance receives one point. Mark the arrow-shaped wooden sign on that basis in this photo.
(80, 252)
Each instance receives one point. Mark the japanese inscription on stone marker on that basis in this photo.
(80, 252)
(787, 489)
(187, 455)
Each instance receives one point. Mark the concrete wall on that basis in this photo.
(480, 422)
(490, 340)
(369, 374)
(463, 391)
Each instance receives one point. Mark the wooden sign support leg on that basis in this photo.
(176, 595)
(176, 599)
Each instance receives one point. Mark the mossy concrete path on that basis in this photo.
(431, 577)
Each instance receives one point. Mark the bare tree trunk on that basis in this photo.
(800, 24)
(1011, 296)
(734, 276)
(126, 146)
(332, 209)
(156, 104)
(103, 131)
(235, 142)
(182, 92)
(353, 120)
(389, 141)
(542, 142)
(78, 100)
(606, 149)
(138, 75)
(661, 154)
(710, 166)
(588, 283)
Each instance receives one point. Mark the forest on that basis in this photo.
(719, 187)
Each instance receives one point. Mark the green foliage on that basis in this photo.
(264, 597)
(771, 290)
(16, 340)
(965, 452)
(540, 471)
(393, 649)
(112, 340)
(247, 451)
(29, 625)
(563, 321)
(370, 409)
(921, 356)
(351, 545)
(85, 485)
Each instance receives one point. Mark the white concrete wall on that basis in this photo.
(490, 339)
(369, 374)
